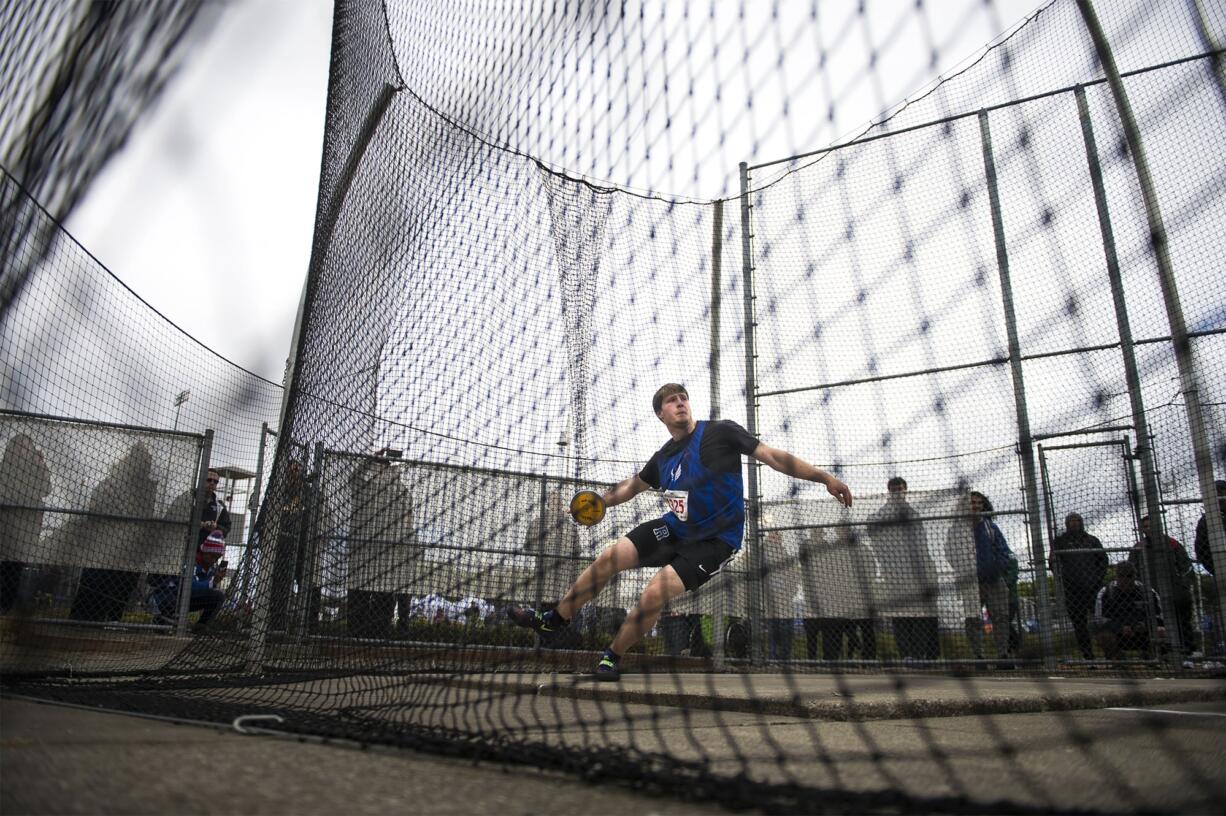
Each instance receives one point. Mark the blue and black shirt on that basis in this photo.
(700, 477)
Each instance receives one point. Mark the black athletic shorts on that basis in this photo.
(696, 562)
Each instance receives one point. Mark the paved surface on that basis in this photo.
(56, 760)
(867, 696)
(1092, 744)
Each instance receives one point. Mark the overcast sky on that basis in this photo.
(208, 211)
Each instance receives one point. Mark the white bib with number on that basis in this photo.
(679, 503)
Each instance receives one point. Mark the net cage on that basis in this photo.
(1002, 289)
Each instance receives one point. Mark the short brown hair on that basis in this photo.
(664, 392)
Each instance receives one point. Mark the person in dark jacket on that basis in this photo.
(1120, 614)
(1182, 574)
(1080, 563)
(215, 516)
(1203, 555)
(992, 556)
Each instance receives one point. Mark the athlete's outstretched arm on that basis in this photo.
(625, 490)
(798, 468)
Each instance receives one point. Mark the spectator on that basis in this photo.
(682, 630)
(910, 573)
(1182, 575)
(960, 552)
(381, 547)
(25, 482)
(1080, 564)
(840, 589)
(1016, 630)
(204, 598)
(1120, 614)
(1203, 554)
(552, 538)
(781, 583)
(288, 496)
(111, 550)
(992, 556)
(214, 516)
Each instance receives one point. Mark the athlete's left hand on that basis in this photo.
(839, 490)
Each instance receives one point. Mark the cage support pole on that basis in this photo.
(1034, 521)
(753, 505)
(193, 534)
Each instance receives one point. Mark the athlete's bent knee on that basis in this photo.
(620, 555)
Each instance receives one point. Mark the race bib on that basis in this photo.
(679, 503)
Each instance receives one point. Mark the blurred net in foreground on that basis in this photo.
(965, 296)
(76, 77)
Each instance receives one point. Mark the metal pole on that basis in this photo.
(717, 252)
(328, 217)
(304, 554)
(253, 507)
(718, 600)
(542, 505)
(1189, 383)
(270, 533)
(756, 611)
(1034, 522)
(1144, 451)
(193, 533)
(1211, 46)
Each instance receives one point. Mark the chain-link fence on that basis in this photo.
(974, 263)
(95, 520)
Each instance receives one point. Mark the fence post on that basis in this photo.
(270, 533)
(541, 533)
(253, 507)
(717, 245)
(1188, 381)
(193, 534)
(719, 600)
(752, 540)
(304, 556)
(1034, 522)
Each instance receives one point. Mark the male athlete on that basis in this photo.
(699, 472)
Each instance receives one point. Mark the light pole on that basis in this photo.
(182, 397)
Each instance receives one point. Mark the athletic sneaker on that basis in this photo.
(546, 624)
(607, 669)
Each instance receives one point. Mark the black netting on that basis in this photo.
(993, 312)
(77, 77)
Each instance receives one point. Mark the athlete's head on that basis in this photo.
(672, 404)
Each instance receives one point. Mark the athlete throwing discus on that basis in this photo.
(699, 474)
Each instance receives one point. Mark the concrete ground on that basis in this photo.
(1097, 744)
(57, 760)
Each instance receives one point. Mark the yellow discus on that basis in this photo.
(587, 508)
